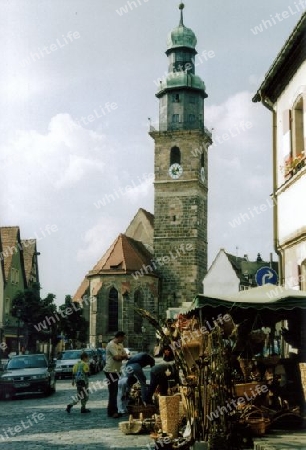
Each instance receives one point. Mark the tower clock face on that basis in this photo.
(175, 171)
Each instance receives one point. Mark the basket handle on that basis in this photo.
(252, 410)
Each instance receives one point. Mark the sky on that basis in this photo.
(77, 89)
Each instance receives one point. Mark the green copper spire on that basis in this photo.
(181, 7)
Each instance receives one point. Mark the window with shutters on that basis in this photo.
(298, 128)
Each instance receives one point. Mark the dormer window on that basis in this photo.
(116, 266)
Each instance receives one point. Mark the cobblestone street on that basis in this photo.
(42, 422)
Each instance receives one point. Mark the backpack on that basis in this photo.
(80, 376)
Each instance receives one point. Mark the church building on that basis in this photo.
(160, 262)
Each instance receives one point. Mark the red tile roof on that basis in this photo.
(11, 244)
(124, 255)
(81, 291)
(29, 249)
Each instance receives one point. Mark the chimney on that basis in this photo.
(271, 260)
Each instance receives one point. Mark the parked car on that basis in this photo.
(26, 374)
(66, 361)
(101, 357)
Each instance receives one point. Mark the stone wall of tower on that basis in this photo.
(180, 209)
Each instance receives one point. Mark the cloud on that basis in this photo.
(144, 189)
(97, 239)
(66, 156)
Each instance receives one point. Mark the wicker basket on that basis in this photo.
(147, 411)
(257, 422)
(131, 427)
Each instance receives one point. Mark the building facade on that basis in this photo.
(181, 176)
(283, 92)
(14, 281)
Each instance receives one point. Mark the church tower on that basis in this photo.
(180, 188)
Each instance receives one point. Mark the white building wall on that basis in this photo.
(292, 209)
(221, 278)
(291, 193)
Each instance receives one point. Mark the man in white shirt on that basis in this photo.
(115, 354)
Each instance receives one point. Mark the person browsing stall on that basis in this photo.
(132, 373)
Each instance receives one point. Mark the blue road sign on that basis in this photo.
(266, 275)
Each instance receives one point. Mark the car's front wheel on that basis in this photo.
(7, 394)
(48, 389)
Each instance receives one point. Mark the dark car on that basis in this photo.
(27, 374)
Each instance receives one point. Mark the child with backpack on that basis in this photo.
(80, 373)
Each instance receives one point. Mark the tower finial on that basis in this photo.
(181, 7)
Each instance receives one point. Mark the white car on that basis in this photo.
(66, 361)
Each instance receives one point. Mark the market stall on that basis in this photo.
(241, 360)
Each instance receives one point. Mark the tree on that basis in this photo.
(73, 325)
(33, 312)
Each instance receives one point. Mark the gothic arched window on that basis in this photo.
(175, 156)
(138, 302)
(202, 159)
(113, 310)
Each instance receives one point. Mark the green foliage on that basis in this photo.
(73, 324)
(32, 310)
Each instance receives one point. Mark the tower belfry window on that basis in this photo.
(202, 160)
(175, 156)
(176, 98)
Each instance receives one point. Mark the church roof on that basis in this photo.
(84, 286)
(149, 216)
(124, 255)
